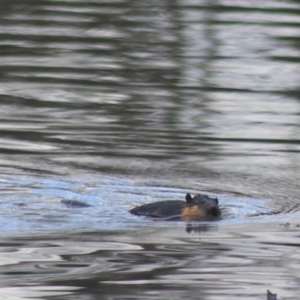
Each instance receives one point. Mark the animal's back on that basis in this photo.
(198, 208)
(160, 209)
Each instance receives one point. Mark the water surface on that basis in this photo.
(120, 103)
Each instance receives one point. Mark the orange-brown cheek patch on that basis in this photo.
(192, 213)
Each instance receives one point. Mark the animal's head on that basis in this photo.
(209, 206)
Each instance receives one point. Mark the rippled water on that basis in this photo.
(120, 103)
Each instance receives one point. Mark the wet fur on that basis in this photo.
(198, 208)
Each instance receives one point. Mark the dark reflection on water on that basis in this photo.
(119, 103)
(149, 88)
(153, 264)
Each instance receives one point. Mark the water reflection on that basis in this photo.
(165, 263)
(166, 98)
(182, 84)
(200, 227)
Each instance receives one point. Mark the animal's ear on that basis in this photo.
(188, 198)
(216, 201)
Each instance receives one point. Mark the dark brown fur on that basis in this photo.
(197, 208)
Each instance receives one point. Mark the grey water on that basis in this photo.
(120, 103)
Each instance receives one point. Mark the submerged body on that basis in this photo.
(197, 208)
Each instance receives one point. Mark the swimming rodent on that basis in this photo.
(197, 208)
